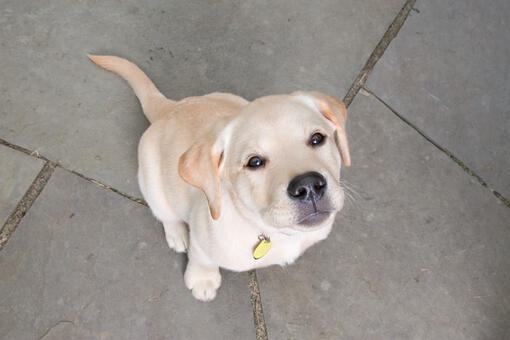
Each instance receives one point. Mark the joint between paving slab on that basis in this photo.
(24, 150)
(379, 50)
(105, 186)
(256, 302)
(58, 164)
(444, 150)
(26, 202)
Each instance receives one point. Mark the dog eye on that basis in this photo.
(317, 139)
(255, 162)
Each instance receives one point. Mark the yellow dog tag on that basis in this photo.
(262, 247)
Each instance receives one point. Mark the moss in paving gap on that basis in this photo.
(480, 180)
(379, 50)
(256, 302)
(502, 198)
(58, 164)
(22, 149)
(446, 151)
(26, 202)
(104, 186)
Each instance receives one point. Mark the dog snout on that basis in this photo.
(307, 187)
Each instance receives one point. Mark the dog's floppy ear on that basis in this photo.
(334, 110)
(199, 167)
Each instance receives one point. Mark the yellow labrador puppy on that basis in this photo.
(237, 184)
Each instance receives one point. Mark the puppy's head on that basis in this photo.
(278, 160)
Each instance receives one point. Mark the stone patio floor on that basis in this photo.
(421, 249)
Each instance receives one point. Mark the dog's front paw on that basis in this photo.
(177, 236)
(205, 290)
(203, 282)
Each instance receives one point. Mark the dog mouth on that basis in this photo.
(314, 218)
(315, 213)
(304, 216)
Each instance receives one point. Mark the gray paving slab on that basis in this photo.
(55, 101)
(447, 73)
(86, 263)
(17, 172)
(422, 252)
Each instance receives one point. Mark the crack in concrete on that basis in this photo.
(55, 325)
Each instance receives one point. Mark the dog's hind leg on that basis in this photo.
(177, 235)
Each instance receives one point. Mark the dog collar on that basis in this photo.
(262, 247)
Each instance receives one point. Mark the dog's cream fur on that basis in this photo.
(193, 173)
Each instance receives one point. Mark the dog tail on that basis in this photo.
(151, 99)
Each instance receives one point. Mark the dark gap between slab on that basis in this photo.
(22, 149)
(105, 186)
(444, 150)
(26, 202)
(102, 185)
(379, 50)
(256, 302)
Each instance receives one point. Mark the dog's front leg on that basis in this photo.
(203, 280)
(177, 235)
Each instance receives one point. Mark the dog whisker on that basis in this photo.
(352, 196)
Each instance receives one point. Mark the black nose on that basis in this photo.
(307, 187)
